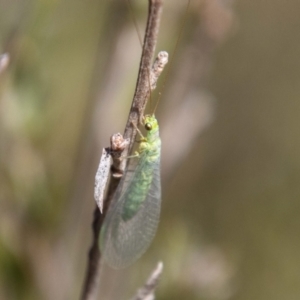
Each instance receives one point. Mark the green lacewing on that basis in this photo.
(131, 221)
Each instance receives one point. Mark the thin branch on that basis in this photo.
(142, 91)
(140, 98)
(147, 291)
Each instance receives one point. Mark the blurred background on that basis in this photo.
(229, 120)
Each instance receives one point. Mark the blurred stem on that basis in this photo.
(147, 290)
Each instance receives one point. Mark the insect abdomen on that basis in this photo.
(140, 187)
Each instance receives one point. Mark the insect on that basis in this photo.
(131, 221)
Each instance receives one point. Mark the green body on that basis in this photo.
(149, 157)
(131, 222)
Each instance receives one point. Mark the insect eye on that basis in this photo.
(148, 126)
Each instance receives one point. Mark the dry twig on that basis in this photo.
(147, 291)
(140, 98)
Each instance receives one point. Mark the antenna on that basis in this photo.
(140, 40)
(134, 22)
(173, 55)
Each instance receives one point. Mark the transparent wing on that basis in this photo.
(125, 240)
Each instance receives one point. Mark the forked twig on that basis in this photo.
(140, 98)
